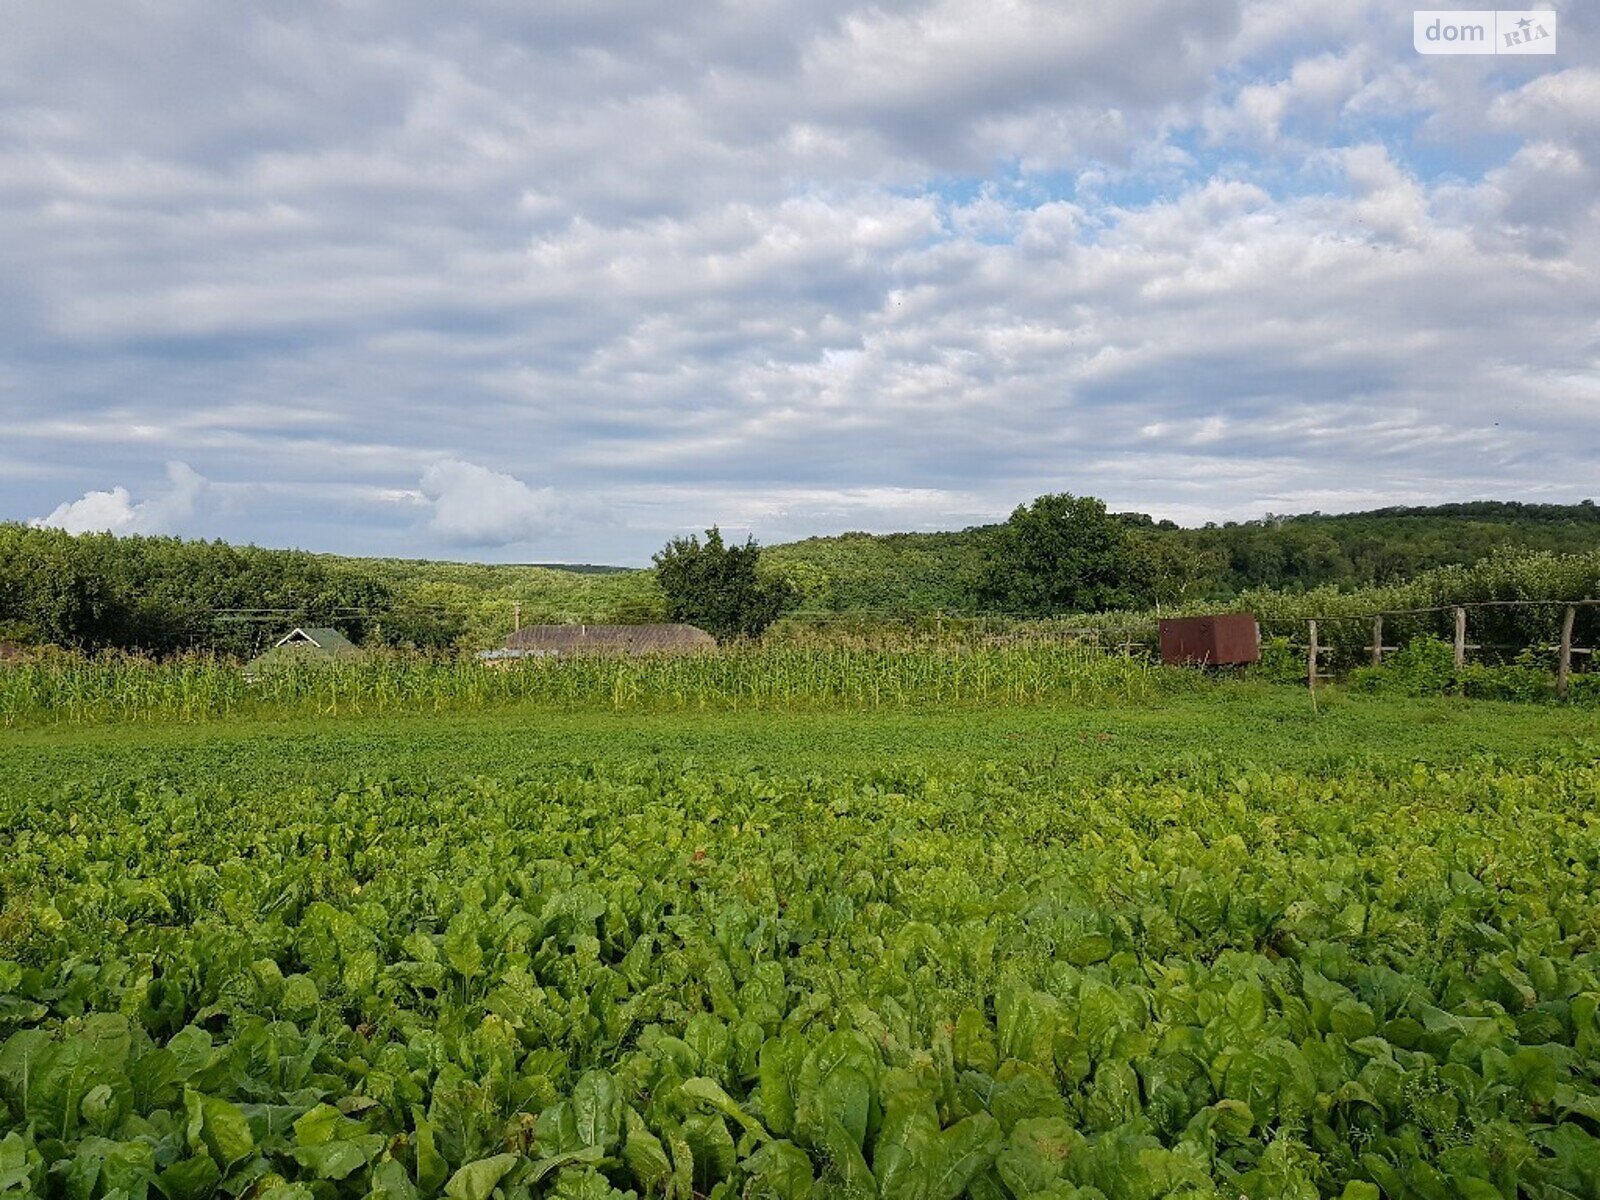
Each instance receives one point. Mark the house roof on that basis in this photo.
(609, 639)
(330, 640)
(307, 644)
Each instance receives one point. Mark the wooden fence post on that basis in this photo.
(1564, 661)
(1461, 637)
(1311, 655)
(1377, 641)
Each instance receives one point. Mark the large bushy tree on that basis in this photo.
(720, 587)
(1061, 554)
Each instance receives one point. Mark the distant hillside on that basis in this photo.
(487, 594)
(894, 572)
(926, 572)
(164, 595)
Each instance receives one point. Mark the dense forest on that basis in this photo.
(165, 595)
(927, 572)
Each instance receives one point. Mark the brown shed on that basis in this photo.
(1223, 639)
(564, 641)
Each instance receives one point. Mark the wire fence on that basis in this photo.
(1381, 638)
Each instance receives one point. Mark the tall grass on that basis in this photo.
(1112, 632)
(73, 689)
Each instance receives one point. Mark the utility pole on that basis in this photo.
(516, 615)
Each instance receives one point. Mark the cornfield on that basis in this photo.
(74, 689)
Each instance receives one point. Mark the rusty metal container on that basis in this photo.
(1224, 639)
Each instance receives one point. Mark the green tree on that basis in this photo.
(1178, 571)
(720, 588)
(1064, 553)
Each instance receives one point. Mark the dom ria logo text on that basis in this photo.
(1483, 31)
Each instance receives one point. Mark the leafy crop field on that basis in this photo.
(1208, 944)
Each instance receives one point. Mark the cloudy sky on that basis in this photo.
(531, 281)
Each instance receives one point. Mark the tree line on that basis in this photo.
(165, 595)
(1161, 563)
(1057, 554)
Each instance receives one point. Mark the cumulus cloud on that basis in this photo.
(1315, 91)
(116, 511)
(474, 506)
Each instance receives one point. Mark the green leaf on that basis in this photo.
(644, 1155)
(709, 1091)
(1273, 1079)
(77, 1176)
(907, 1150)
(190, 1179)
(1352, 1020)
(477, 1180)
(319, 1125)
(710, 1040)
(597, 1110)
(129, 1167)
(844, 1172)
(973, 1043)
(112, 1038)
(967, 1149)
(1026, 1024)
(15, 1170)
(778, 1076)
(431, 1166)
(682, 1162)
(339, 1159)
(1114, 1098)
(779, 1171)
(390, 1182)
(582, 1155)
(461, 948)
(1035, 1155)
(713, 1149)
(64, 1076)
(218, 1128)
(585, 1185)
(300, 997)
(21, 1058)
(556, 1130)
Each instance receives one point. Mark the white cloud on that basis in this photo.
(115, 511)
(474, 506)
(1567, 100)
(95, 512)
(1316, 90)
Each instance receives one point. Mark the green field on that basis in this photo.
(1203, 942)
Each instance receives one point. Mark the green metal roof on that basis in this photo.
(307, 644)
